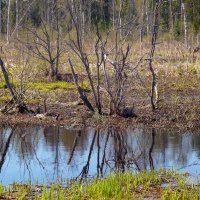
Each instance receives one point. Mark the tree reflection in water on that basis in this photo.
(48, 153)
(4, 150)
(112, 153)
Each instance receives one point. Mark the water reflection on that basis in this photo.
(45, 154)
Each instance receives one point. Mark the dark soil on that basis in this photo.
(78, 116)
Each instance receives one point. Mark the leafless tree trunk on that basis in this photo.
(17, 15)
(5, 74)
(82, 95)
(77, 47)
(185, 24)
(171, 15)
(154, 90)
(99, 62)
(8, 22)
(142, 23)
(83, 21)
(58, 43)
(22, 16)
(17, 98)
(148, 17)
(118, 65)
(44, 47)
(48, 17)
(120, 17)
(113, 12)
(89, 15)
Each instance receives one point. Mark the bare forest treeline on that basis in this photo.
(180, 17)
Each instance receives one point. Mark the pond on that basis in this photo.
(49, 154)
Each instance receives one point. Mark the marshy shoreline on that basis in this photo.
(143, 185)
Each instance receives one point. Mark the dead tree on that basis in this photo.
(154, 90)
(17, 98)
(119, 65)
(115, 60)
(185, 24)
(8, 23)
(5, 74)
(80, 91)
(77, 47)
(46, 48)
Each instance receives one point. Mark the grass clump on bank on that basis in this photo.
(50, 86)
(47, 86)
(149, 184)
(5, 98)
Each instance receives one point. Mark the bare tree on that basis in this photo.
(142, 23)
(17, 15)
(117, 61)
(17, 98)
(46, 48)
(80, 91)
(154, 90)
(77, 47)
(171, 14)
(148, 16)
(8, 22)
(185, 23)
(5, 74)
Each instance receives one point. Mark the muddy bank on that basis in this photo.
(178, 106)
(78, 116)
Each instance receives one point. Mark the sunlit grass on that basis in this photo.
(50, 86)
(148, 184)
(5, 98)
(46, 86)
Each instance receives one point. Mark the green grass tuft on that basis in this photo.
(47, 86)
(147, 184)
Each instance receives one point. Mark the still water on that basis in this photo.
(47, 154)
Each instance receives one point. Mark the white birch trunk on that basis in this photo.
(185, 24)
(148, 16)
